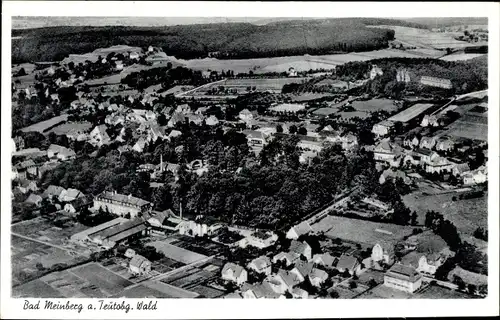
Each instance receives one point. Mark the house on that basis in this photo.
(195, 118)
(403, 278)
(134, 55)
(261, 239)
(60, 152)
(307, 156)
(255, 138)
(375, 71)
(19, 143)
(324, 259)
(403, 75)
(245, 115)
(436, 82)
(99, 136)
(438, 164)
(26, 186)
(317, 277)
(287, 279)
(393, 174)
(77, 205)
(295, 232)
(235, 273)
(298, 293)
(430, 120)
(292, 72)
(460, 169)
(140, 145)
(411, 142)
(212, 121)
(302, 269)
(159, 218)
(21, 170)
(69, 195)
(480, 175)
(424, 155)
(385, 151)
(34, 199)
(121, 204)
(426, 262)
(301, 248)
(261, 264)
(177, 117)
(259, 291)
(288, 257)
(197, 228)
(445, 144)
(139, 265)
(52, 191)
(183, 109)
(383, 253)
(428, 142)
(174, 134)
(349, 263)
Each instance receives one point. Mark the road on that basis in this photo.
(179, 95)
(71, 252)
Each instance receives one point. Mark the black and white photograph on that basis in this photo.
(233, 157)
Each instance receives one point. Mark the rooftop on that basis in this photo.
(411, 112)
(123, 198)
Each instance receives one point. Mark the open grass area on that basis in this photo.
(33, 259)
(438, 292)
(44, 126)
(467, 215)
(374, 105)
(66, 127)
(101, 277)
(36, 289)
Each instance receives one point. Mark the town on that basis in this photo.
(135, 175)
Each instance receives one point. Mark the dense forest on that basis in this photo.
(223, 40)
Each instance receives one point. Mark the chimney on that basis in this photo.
(180, 209)
(130, 196)
(161, 162)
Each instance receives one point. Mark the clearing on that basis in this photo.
(466, 215)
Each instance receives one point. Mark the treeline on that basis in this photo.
(232, 40)
(466, 255)
(167, 76)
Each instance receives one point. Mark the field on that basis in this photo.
(467, 215)
(66, 127)
(46, 125)
(422, 38)
(241, 85)
(461, 56)
(367, 232)
(107, 281)
(374, 105)
(43, 230)
(27, 256)
(470, 127)
(353, 114)
(300, 63)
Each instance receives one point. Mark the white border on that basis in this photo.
(220, 308)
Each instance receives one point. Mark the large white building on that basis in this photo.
(121, 204)
(403, 278)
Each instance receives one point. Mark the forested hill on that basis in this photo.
(226, 40)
